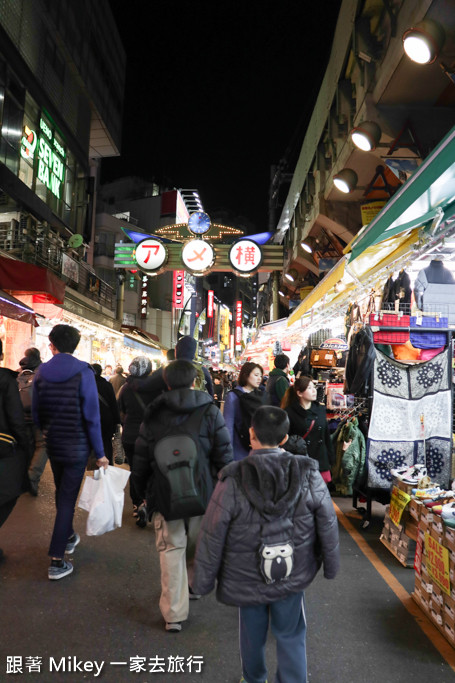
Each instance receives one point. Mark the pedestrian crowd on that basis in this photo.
(231, 472)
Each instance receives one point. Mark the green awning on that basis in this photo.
(430, 189)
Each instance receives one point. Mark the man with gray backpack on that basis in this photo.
(183, 442)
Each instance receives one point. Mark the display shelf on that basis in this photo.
(409, 564)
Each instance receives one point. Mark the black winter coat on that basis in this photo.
(288, 491)
(109, 412)
(318, 441)
(12, 469)
(131, 409)
(173, 407)
(360, 363)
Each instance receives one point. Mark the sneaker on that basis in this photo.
(55, 573)
(73, 541)
(192, 595)
(448, 511)
(398, 472)
(414, 474)
(141, 517)
(175, 627)
(426, 493)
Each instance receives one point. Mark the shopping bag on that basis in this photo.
(103, 496)
(117, 447)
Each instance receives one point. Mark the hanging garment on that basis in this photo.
(411, 419)
(403, 291)
(350, 458)
(388, 295)
(434, 290)
(359, 365)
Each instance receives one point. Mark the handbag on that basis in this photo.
(7, 446)
(117, 447)
(323, 358)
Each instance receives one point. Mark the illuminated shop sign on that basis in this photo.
(245, 256)
(151, 255)
(198, 256)
(51, 165)
(210, 298)
(178, 286)
(238, 324)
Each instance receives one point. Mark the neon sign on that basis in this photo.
(51, 155)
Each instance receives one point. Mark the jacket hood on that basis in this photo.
(61, 367)
(181, 400)
(271, 479)
(185, 348)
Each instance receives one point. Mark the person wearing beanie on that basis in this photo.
(29, 365)
(109, 412)
(133, 398)
(185, 349)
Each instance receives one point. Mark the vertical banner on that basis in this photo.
(178, 284)
(210, 295)
(238, 325)
(144, 297)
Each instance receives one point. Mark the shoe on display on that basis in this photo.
(426, 493)
(175, 627)
(448, 511)
(414, 474)
(73, 541)
(449, 522)
(54, 573)
(398, 472)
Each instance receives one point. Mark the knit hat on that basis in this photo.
(140, 366)
(185, 348)
(31, 360)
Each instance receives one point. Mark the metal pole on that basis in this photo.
(275, 296)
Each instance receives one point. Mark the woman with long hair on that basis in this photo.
(308, 419)
(238, 412)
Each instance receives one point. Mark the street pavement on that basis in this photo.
(103, 622)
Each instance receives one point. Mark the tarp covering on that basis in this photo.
(22, 277)
(15, 309)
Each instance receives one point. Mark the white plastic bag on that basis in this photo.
(102, 496)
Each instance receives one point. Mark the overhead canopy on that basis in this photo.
(15, 309)
(22, 277)
(429, 192)
(347, 274)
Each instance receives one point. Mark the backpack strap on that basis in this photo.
(103, 400)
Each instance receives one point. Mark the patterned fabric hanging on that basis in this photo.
(411, 419)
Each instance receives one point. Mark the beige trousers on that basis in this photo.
(176, 545)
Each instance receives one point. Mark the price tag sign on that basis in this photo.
(437, 563)
(398, 501)
(151, 255)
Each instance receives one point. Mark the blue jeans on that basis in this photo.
(288, 624)
(68, 479)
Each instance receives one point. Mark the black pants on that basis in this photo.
(6, 509)
(129, 453)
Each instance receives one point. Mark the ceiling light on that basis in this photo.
(306, 246)
(346, 180)
(292, 275)
(423, 42)
(366, 135)
(281, 293)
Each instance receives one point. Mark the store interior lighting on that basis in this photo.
(423, 42)
(366, 136)
(306, 246)
(346, 180)
(292, 275)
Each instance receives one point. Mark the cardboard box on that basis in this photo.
(407, 488)
(449, 538)
(426, 515)
(411, 530)
(437, 597)
(449, 609)
(438, 526)
(437, 535)
(449, 632)
(415, 507)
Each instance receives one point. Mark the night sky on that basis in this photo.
(218, 91)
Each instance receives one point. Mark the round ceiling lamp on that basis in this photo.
(292, 275)
(423, 42)
(366, 136)
(346, 180)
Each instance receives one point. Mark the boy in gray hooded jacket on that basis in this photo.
(269, 526)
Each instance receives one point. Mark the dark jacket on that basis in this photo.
(185, 349)
(131, 408)
(12, 469)
(270, 484)
(65, 406)
(360, 363)
(318, 441)
(109, 412)
(277, 385)
(173, 407)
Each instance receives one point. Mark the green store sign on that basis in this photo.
(51, 167)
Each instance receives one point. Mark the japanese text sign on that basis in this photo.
(245, 256)
(398, 501)
(198, 256)
(178, 284)
(144, 297)
(238, 323)
(151, 255)
(437, 563)
(210, 295)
